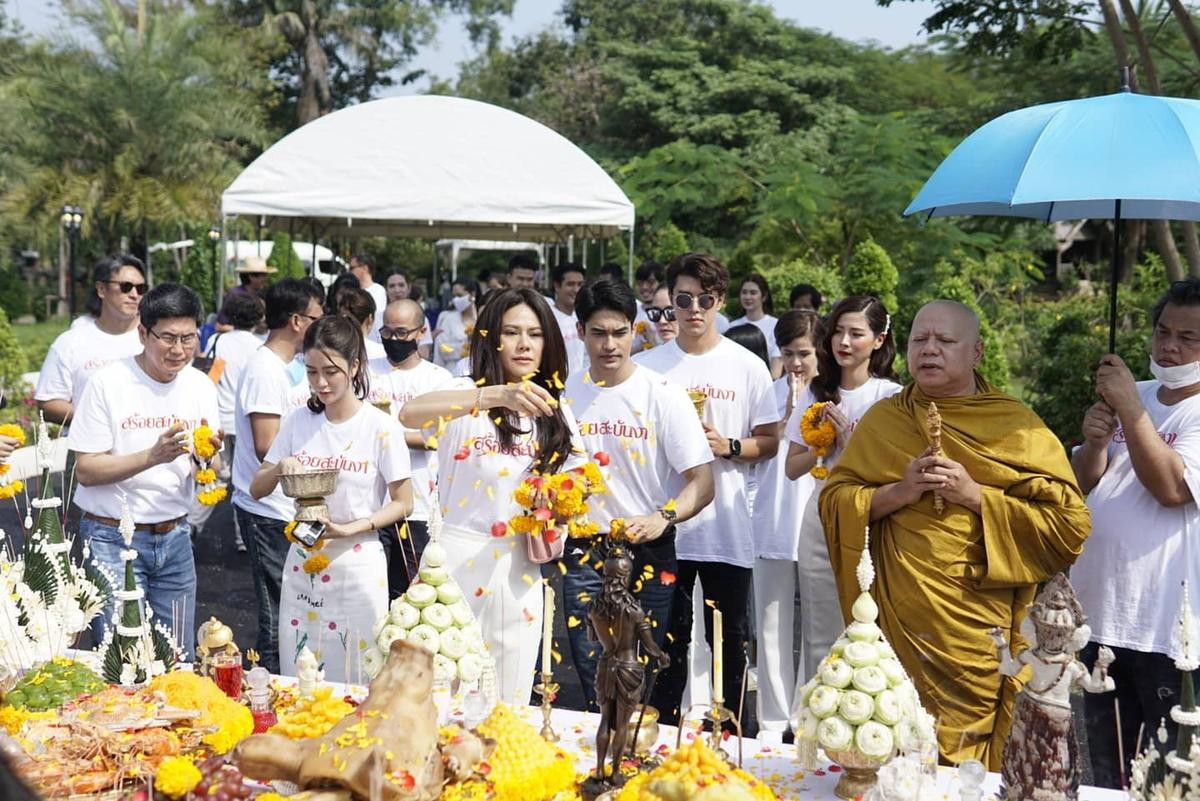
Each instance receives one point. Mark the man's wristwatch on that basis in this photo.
(668, 514)
(735, 448)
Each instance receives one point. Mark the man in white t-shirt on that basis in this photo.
(77, 353)
(643, 432)
(270, 388)
(395, 379)
(648, 279)
(522, 271)
(568, 279)
(1140, 464)
(362, 267)
(131, 434)
(741, 425)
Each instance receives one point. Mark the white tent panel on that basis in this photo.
(431, 166)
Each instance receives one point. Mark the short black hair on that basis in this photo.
(168, 301)
(605, 294)
(243, 310)
(750, 337)
(469, 284)
(800, 290)
(650, 269)
(316, 284)
(290, 296)
(705, 268)
(559, 273)
(1179, 293)
(103, 271)
(522, 261)
(365, 260)
(610, 269)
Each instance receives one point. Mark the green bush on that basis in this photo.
(198, 267)
(871, 272)
(284, 259)
(14, 293)
(782, 277)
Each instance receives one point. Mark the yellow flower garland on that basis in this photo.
(202, 442)
(11, 488)
(210, 493)
(819, 435)
(176, 777)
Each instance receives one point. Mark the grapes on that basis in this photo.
(219, 781)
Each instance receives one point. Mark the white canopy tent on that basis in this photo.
(431, 167)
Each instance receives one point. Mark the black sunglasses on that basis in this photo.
(684, 300)
(655, 314)
(129, 286)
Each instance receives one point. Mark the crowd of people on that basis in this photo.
(729, 501)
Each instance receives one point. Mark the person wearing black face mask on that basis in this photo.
(396, 378)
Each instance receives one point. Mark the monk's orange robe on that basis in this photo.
(944, 580)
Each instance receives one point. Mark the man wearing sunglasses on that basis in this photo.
(741, 424)
(395, 379)
(132, 439)
(106, 333)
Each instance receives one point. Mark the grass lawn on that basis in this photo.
(36, 339)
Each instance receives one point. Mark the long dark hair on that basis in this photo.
(829, 373)
(338, 335)
(553, 435)
(768, 303)
(750, 337)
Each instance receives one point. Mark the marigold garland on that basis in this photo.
(176, 777)
(202, 442)
(186, 690)
(819, 435)
(209, 492)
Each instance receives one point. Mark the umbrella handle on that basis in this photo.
(1115, 277)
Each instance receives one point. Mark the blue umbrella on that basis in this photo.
(1119, 156)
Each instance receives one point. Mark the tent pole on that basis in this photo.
(1112, 285)
(312, 234)
(631, 255)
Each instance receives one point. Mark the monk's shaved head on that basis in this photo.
(944, 349)
(959, 313)
(403, 313)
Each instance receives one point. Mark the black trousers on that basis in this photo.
(403, 551)
(725, 587)
(1147, 688)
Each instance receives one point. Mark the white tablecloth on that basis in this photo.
(774, 764)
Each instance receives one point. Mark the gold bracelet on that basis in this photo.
(478, 407)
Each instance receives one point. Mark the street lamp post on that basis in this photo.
(214, 236)
(71, 219)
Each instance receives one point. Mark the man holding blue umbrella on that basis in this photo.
(1140, 464)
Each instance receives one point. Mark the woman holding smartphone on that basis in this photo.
(334, 591)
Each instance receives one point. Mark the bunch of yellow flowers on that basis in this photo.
(695, 773)
(524, 767)
(204, 448)
(558, 499)
(312, 715)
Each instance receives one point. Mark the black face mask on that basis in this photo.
(399, 349)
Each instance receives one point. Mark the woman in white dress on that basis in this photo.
(333, 594)
(758, 305)
(854, 370)
(501, 425)
(452, 334)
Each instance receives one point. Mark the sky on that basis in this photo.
(856, 20)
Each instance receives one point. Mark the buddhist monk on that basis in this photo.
(1013, 516)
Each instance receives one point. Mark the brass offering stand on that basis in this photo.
(717, 713)
(548, 689)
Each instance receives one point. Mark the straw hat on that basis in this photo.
(255, 264)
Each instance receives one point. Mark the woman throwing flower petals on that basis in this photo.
(334, 591)
(492, 433)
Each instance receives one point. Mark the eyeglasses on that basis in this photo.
(126, 287)
(308, 317)
(396, 333)
(655, 314)
(684, 300)
(171, 340)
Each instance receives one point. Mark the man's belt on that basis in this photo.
(154, 528)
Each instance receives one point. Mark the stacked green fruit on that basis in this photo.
(52, 685)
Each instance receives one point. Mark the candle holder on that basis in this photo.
(717, 713)
(548, 689)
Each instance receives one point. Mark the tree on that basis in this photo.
(146, 129)
(327, 54)
(871, 272)
(284, 259)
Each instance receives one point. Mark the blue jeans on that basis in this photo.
(583, 582)
(268, 550)
(164, 569)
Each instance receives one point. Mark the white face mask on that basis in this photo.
(1176, 376)
(460, 302)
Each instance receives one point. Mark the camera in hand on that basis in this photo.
(307, 533)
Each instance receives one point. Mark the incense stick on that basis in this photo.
(1120, 744)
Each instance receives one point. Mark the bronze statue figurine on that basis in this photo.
(617, 622)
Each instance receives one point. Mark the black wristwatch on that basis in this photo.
(668, 514)
(735, 448)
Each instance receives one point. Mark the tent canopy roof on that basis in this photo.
(430, 166)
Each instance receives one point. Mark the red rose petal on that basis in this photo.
(543, 514)
(667, 577)
(601, 458)
(499, 528)
(462, 453)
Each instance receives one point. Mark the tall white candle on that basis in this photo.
(718, 695)
(547, 628)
